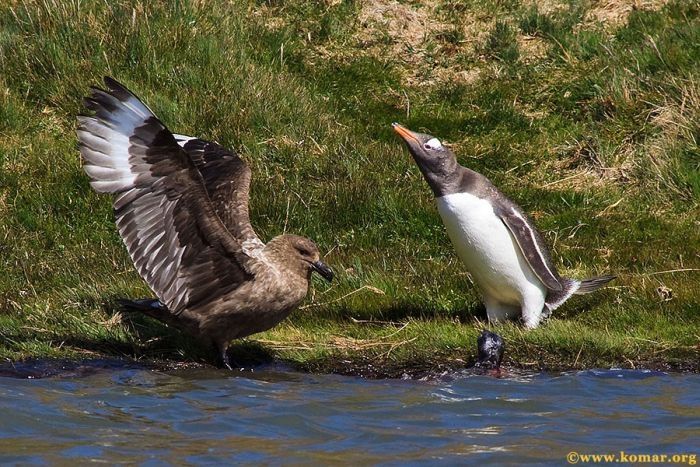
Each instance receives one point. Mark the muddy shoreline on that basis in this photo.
(363, 367)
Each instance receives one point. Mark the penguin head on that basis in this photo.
(490, 348)
(436, 162)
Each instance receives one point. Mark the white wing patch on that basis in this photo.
(138, 107)
(182, 139)
(105, 142)
(106, 153)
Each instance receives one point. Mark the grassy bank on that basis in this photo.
(587, 115)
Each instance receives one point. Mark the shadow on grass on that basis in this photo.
(155, 340)
(402, 311)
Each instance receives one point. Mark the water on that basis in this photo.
(275, 416)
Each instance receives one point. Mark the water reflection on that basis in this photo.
(203, 416)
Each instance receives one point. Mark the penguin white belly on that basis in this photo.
(488, 250)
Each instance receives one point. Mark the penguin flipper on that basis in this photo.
(532, 246)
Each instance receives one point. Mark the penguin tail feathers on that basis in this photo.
(574, 287)
(592, 284)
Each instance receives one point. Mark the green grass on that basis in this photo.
(593, 127)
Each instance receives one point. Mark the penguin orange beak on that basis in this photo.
(405, 133)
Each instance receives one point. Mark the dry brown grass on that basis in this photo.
(546, 7)
(388, 29)
(412, 35)
(677, 120)
(408, 26)
(614, 13)
(532, 48)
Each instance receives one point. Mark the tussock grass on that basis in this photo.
(588, 119)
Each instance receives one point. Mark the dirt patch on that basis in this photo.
(389, 29)
(547, 7)
(425, 44)
(532, 48)
(455, 76)
(404, 27)
(430, 49)
(426, 48)
(614, 13)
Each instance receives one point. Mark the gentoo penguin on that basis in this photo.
(497, 242)
(181, 207)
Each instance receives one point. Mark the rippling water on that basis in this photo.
(278, 416)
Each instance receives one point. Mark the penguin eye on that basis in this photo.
(433, 144)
